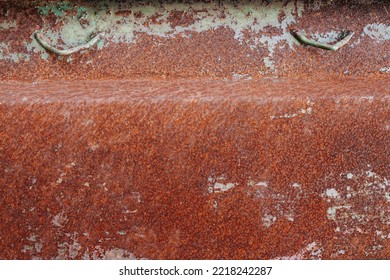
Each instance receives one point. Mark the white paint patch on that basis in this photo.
(8, 24)
(262, 184)
(7, 54)
(328, 37)
(360, 207)
(68, 250)
(296, 185)
(289, 217)
(268, 220)
(259, 189)
(236, 77)
(311, 251)
(60, 219)
(369, 98)
(34, 248)
(60, 179)
(283, 206)
(304, 111)
(119, 254)
(219, 185)
(385, 70)
(379, 32)
(113, 254)
(332, 193)
(332, 211)
(250, 17)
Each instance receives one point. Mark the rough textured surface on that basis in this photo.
(195, 130)
(193, 39)
(195, 169)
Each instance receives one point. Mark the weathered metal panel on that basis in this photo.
(193, 39)
(194, 130)
(195, 169)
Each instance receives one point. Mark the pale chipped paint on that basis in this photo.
(378, 31)
(34, 246)
(385, 217)
(60, 219)
(118, 254)
(382, 235)
(385, 70)
(308, 110)
(219, 187)
(332, 211)
(268, 220)
(290, 217)
(328, 37)
(283, 206)
(351, 209)
(258, 184)
(209, 16)
(60, 179)
(296, 185)
(237, 77)
(7, 24)
(35, 47)
(369, 98)
(219, 184)
(332, 193)
(116, 28)
(69, 250)
(311, 251)
(112, 254)
(7, 55)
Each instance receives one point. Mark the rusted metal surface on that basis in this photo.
(195, 169)
(193, 39)
(194, 130)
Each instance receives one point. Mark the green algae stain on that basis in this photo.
(58, 9)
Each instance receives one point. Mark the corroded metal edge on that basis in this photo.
(192, 39)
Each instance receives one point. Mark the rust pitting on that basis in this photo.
(220, 141)
(133, 170)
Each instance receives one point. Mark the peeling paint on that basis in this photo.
(308, 110)
(113, 254)
(385, 70)
(311, 251)
(268, 220)
(378, 31)
(126, 22)
(218, 185)
(332, 193)
(351, 206)
(60, 219)
(7, 24)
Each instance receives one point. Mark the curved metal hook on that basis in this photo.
(42, 40)
(304, 40)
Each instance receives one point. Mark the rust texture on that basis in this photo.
(193, 39)
(195, 169)
(194, 130)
